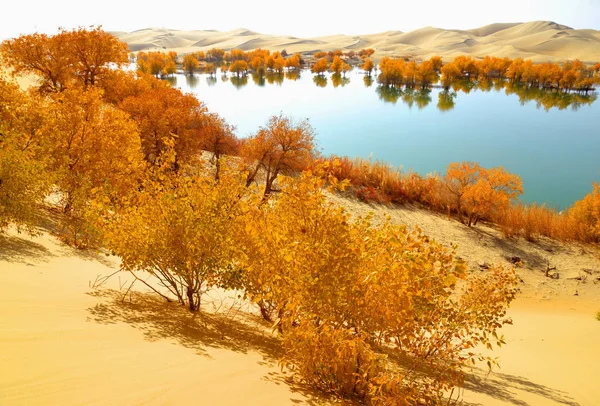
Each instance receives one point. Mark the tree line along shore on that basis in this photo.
(568, 76)
(551, 85)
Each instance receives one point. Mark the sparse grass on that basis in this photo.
(379, 182)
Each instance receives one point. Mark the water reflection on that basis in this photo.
(292, 75)
(191, 81)
(549, 99)
(388, 94)
(239, 81)
(446, 100)
(320, 80)
(488, 125)
(172, 80)
(258, 79)
(338, 80)
(274, 78)
(421, 98)
(463, 85)
(409, 96)
(211, 80)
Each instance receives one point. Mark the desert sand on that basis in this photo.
(64, 341)
(539, 40)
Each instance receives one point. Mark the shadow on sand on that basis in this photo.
(506, 388)
(17, 249)
(240, 332)
(21, 249)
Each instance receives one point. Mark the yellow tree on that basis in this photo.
(219, 138)
(336, 65)
(495, 190)
(84, 55)
(92, 145)
(466, 65)
(170, 68)
(344, 293)
(278, 63)
(368, 66)
(426, 74)
(239, 67)
(320, 66)
(293, 62)
(450, 73)
(95, 53)
(215, 55)
(436, 62)
(258, 65)
(392, 71)
(154, 63)
(460, 177)
(210, 68)
(339, 66)
(410, 73)
(346, 68)
(47, 57)
(281, 147)
(190, 246)
(24, 179)
(366, 53)
(480, 191)
(586, 214)
(515, 70)
(165, 113)
(190, 64)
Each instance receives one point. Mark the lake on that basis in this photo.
(556, 151)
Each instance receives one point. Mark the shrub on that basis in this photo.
(364, 310)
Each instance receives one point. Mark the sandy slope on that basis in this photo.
(63, 342)
(538, 40)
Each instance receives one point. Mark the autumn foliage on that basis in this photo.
(481, 192)
(572, 75)
(159, 64)
(320, 66)
(194, 221)
(82, 55)
(281, 147)
(378, 313)
(24, 179)
(361, 308)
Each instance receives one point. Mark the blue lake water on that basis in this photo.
(556, 152)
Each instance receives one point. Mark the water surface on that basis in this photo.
(556, 151)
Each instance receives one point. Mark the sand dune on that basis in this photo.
(64, 342)
(538, 40)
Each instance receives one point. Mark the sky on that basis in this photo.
(306, 18)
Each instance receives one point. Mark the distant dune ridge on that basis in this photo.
(539, 40)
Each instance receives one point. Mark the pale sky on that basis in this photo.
(304, 18)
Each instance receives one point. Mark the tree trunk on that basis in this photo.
(264, 311)
(191, 300)
(69, 206)
(217, 167)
